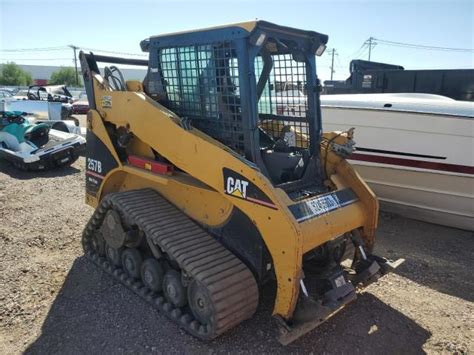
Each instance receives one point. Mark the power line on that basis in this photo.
(114, 52)
(43, 49)
(421, 46)
(11, 59)
(46, 49)
(339, 63)
(356, 53)
(363, 52)
(371, 42)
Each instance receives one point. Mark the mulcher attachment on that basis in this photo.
(219, 290)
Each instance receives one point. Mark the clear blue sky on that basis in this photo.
(121, 25)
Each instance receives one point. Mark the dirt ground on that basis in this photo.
(53, 300)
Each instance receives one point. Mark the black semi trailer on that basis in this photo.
(372, 77)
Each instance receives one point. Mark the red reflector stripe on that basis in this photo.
(420, 164)
(151, 165)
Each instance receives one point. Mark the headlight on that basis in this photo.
(321, 49)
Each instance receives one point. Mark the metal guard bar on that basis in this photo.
(116, 60)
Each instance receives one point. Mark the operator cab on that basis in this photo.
(253, 87)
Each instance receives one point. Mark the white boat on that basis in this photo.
(416, 151)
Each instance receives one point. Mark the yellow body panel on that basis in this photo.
(344, 175)
(320, 230)
(199, 190)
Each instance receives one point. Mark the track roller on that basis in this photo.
(132, 262)
(173, 288)
(152, 274)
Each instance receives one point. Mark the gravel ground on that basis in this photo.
(52, 300)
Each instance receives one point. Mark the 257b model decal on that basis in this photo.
(99, 162)
(238, 186)
(94, 165)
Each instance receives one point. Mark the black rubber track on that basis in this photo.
(231, 285)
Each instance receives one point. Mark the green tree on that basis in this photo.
(64, 76)
(12, 74)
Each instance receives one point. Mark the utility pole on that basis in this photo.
(371, 43)
(333, 52)
(74, 48)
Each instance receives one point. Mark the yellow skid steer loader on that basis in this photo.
(205, 189)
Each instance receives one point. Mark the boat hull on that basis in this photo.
(420, 165)
(427, 196)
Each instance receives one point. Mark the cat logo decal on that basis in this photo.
(237, 186)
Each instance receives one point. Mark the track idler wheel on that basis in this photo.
(200, 302)
(132, 262)
(173, 289)
(114, 256)
(112, 230)
(152, 274)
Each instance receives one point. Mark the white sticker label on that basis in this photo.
(323, 204)
(107, 101)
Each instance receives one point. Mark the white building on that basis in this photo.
(42, 73)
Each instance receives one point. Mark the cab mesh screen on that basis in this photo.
(285, 99)
(202, 84)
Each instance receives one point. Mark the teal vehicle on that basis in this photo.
(35, 146)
